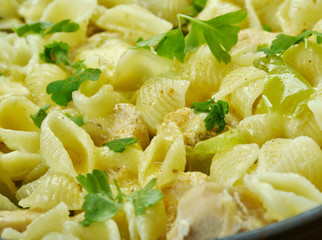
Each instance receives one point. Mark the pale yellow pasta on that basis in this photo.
(204, 73)
(66, 147)
(284, 194)
(240, 158)
(159, 96)
(53, 189)
(139, 22)
(164, 158)
(37, 79)
(32, 10)
(10, 88)
(6, 204)
(141, 64)
(316, 108)
(18, 164)
(306, 59)
(100, 104)
(80, 13)
(146, 226)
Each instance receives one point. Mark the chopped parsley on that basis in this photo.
(62, 90)
(39, 117)
(79, 120)
(216, 113)
(56, 52)
(101, 204)
(41, 26)
(119, 145)
(267, 28)
(282, 42)
(220, 33)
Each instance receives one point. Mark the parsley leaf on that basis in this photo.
(267, 28)
(119, 145)
(1, 74)
(61, 90)
(198, 6)
(100, 203)
(282, 42)
(56, 52)
(39, 117)
(41, 26)
(145, 197)
(64, 26)
(216, 113)
(33, 28)
(76, 119)
(220, 33)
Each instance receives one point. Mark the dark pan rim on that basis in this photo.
(307, 225)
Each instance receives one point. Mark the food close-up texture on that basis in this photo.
(158, 119)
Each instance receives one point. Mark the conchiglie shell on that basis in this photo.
(157, 97)
(18, 164)
(306, 59)
(15, 114)
(53, 189)
(11, 88)
(164, 158)
(51, 221)
(37, 79)
(21, 140)
(65, 146)
(32, 10)
(146, 226)
(139, 22)
(204, 72)
(271, 153)
(80, 13)
(302, 156)
(243, 99)
(6, 204)
(262, 127)
(100, 104)
(284, 194)
(239, 158)
(140, 64)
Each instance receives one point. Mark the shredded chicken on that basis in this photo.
(210, 211)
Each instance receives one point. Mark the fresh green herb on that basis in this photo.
(33, 28)
(64, 26)
(39, 117)
(61, 90)
(145, 197)
(267, 28)
(41, 26)
(198, 6)
(1, 74)
(216, 113)
(119, 145)
(56, 52)
(100, 203)
(76, 119)
(282, 42)
(220, 33)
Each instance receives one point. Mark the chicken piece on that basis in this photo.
(18, 219)
(192, 125)
(210, 211)
(172, 194)
(124, 122)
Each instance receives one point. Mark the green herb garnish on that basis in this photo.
(119, 145)
(61, 90)
(216, 113)
(220, 33)
(41, 26)
(39, 117)
(79, 120)
(282, 42)
(267, 28)
(56, 52)
(100, 203)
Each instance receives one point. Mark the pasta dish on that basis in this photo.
(146, 119)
